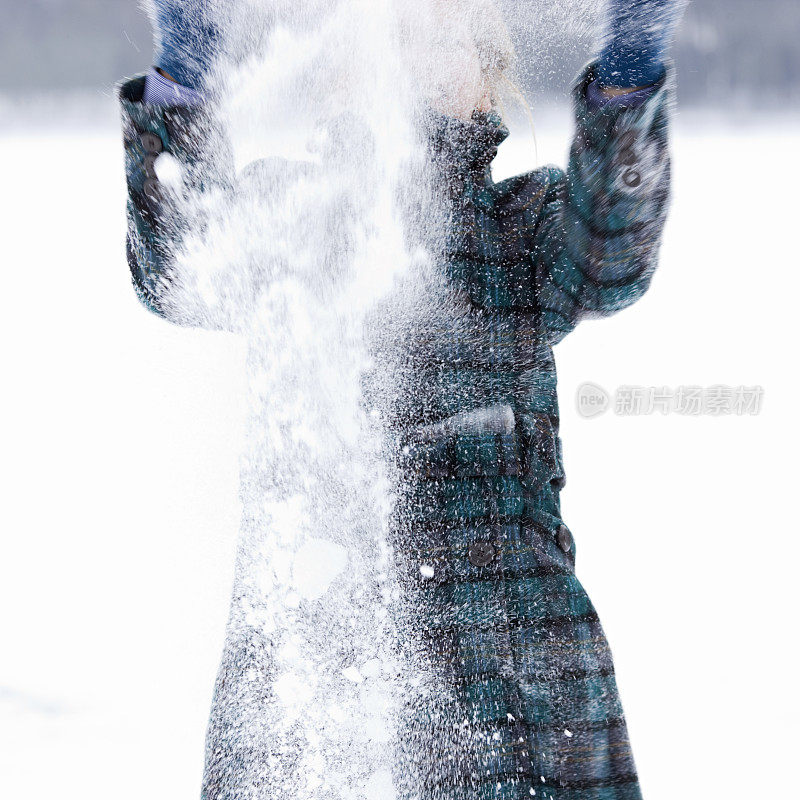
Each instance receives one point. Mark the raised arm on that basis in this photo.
(161, 116)
(596, 246)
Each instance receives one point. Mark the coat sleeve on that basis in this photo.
(600, 223)
(157, 220)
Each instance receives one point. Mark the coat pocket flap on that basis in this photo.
(478, 443)
(491, 441)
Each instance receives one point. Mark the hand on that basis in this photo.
(638, 35)
(186, 39)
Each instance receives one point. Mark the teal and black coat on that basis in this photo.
(507, 624)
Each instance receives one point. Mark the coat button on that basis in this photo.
(631, 178)
(481, 554)
(564, 538)
(151, 143)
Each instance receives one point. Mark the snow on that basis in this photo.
(314, 488)
(121, 436)
(292, 690)
(353, 675)
(316, 565)
(380, 785)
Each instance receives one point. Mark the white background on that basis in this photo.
(120, 437)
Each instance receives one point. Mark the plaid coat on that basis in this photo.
(487, 557)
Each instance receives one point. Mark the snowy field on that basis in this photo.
(120, 437)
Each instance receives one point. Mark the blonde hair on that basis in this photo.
(498, 56)
(491, 36)
(459, 51)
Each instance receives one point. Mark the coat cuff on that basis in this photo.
(595, 98)
(594, 109)
(161, 91)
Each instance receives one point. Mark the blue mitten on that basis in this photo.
(186, 39)
(638, 35)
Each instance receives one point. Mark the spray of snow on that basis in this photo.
(297, 258)
(295, 248)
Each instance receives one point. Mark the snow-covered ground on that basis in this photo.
(120, 437)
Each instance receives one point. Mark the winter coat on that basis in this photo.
(488, 555)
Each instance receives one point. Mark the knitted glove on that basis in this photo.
(638, 35)
(186, 39)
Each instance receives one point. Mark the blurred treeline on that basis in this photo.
(730, 52)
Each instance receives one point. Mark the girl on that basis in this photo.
(507, 625)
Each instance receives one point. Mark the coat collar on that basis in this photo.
(465, 147)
